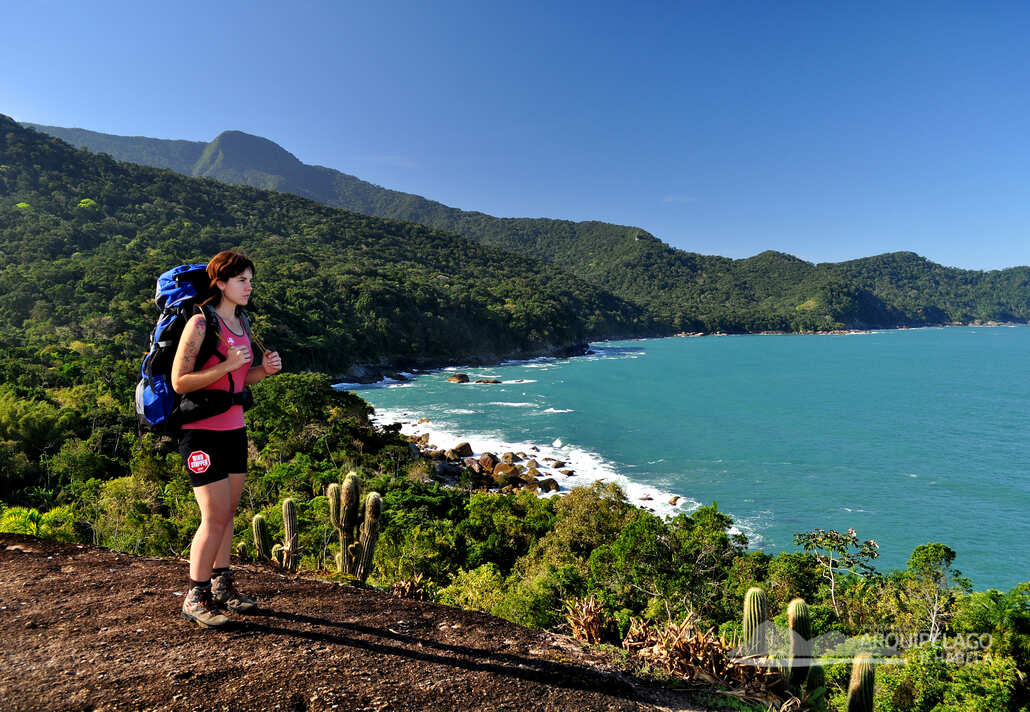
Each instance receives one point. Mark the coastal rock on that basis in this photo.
(505, 475)
(510, 458)
(446, 469)
(463, 450)
(674, 500)
(646, 498)
(521, 454)
(424, 420)
(532, 463)
(472, 464)
(549, 485)
(414, 451)
(458, 378)
(557, 463)
(533, 486)
(488, 461)
(487, 380)
(436, 455)
(567, 473)
(532, 471)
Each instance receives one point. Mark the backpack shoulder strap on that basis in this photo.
(209, 346)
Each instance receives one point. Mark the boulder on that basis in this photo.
(521, 454)
(424, 420)
(505, 475)
(646, 498)
(558, 463)
(567, 473)
(436, 455)
(473, 464)
(488, 461)
(450, 455)
(413, 451)
(487, 380)
(533, 464)
(533, 486)
(549, 485)
(463, 450)
(510, 458)
(458, 378)
(533, 472)
(674, 500)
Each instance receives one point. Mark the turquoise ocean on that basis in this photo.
(908, 436)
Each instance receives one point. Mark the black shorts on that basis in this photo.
(212, 455)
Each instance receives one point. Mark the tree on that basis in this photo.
(932, 585)
(837, 553)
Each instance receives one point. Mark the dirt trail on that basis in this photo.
(89, 629)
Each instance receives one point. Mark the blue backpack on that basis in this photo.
(158, 407)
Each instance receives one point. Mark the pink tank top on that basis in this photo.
(231, 419)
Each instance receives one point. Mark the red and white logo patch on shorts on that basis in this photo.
(198, 462)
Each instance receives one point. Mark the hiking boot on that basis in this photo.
(201, 609)
(226, 595)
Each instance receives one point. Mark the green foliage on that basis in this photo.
(480, 589)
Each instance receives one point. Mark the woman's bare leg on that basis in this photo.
(215, 500)
(225, 547)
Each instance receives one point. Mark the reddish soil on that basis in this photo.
(89, 629)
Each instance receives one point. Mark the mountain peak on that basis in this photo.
(239, 154)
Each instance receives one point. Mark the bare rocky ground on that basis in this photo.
(89, 629)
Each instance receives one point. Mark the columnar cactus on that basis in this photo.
(863, 680)
(262, 539)
(369, 535)
(291, 548)
(800, 622)
(343, 515)
(755, 604)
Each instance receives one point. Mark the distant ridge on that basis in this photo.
(771, 291)
(83, 237)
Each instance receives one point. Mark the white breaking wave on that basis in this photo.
(586, 466)
(512, 405)
(559, 410)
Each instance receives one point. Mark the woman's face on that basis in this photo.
(237, 289)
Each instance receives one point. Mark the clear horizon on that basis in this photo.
(826, 132)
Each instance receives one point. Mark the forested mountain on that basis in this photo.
(83, 237)
(768, 292)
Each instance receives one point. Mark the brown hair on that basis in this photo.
(224, 266)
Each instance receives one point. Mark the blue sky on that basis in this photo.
(825, 129)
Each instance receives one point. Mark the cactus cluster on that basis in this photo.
(357, 544)
(356, 552)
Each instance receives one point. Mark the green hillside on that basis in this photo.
(83, 237)
(768, 292)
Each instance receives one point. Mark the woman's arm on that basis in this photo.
(184, 378)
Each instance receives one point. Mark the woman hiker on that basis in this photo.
(215, 449)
